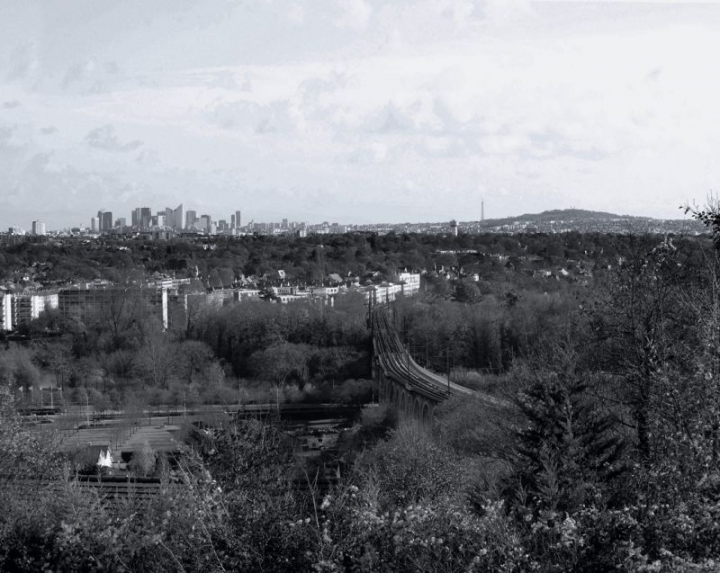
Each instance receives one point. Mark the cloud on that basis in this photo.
(105, 138)
(11, 104)
(392, 119)
(549, 101)
(355, 14)
(250, 117)
(22, 62)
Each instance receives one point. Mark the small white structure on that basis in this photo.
(93, 456)
(105, 457)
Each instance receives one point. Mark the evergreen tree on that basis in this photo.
(568, 449)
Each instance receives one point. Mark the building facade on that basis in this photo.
(6, 322)
(28, 306)
(410, 282)
(38, 228)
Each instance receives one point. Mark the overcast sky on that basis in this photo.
(356, 110)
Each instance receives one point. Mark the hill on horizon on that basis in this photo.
(576, 215)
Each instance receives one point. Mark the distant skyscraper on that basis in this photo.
(482, 210)
(105, 220)
(190, 219)
(136, 217)
(38, 228)
(204, 223)
(94, 226)
(232, 221)
(238, 222)
(120, 223)
(145, 217)
(178, 218)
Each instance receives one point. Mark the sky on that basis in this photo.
(356, 111)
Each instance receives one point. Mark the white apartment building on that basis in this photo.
(411, 282)
(6, 311)
(28, 306)
(378, 294)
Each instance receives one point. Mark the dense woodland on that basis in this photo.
(603, 457)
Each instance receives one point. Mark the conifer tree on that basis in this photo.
(568, 449)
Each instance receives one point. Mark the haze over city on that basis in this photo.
(356, 111)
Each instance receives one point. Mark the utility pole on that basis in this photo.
(447, 357)
(407, 358)
(370, 324)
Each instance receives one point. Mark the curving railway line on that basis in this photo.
(398, 365)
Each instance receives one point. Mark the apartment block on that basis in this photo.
(6, 323)
(410, 282)
(28, 306)
(98, 303)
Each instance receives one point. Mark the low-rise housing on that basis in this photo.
(286, 298)
(325, 291)
(247, 293)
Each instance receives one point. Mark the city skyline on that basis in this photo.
(358, 111)
(148, 218)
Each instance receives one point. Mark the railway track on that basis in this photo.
(398, 365)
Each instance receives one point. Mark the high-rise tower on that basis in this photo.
(178, 217)
(105, 220)
(38, 228)
(145, 217)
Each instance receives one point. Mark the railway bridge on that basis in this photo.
(413, 390)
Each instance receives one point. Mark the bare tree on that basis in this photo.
(279, 362)
(156, 357)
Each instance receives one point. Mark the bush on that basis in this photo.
(410, 466)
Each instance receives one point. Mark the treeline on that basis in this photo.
(220, 260)
(487, 335)
(501, 321)
(300, 341)
(251, 351)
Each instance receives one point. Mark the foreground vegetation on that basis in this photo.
(606, 457)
